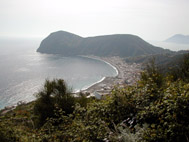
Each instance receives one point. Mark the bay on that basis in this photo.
(23, 71)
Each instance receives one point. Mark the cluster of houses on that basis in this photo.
(128, 75)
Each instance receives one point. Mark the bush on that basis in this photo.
(155, 109)
(152, 74)
(54, 94)
(182, 70)
(168, 116)
(7, 133)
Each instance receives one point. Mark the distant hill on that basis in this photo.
(122, 45)
(178, 38)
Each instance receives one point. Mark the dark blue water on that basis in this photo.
(23, 70)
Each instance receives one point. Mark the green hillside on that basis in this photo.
(122, 45)
(166, 62)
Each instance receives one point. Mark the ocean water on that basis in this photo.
(23, 71)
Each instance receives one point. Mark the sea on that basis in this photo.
(23, 71)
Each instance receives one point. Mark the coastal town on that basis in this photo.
(128, 74)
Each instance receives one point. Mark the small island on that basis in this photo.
(179, 39)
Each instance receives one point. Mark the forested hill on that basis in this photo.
(122, 45)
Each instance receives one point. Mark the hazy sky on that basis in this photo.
(149, 19)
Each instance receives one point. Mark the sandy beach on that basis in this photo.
(128, 74)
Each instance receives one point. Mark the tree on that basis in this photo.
(182, 70)
(55, 94)
(152, 74)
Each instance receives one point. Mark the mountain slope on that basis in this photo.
(178, 38)
(60, 42)
(165, 62)
(122, 45)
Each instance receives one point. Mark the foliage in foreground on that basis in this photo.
(154, 110)
(54, 94)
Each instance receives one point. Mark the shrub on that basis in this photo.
(182, 70)
(152, 74)
(168, 116)
(54, 94)
(7, 133)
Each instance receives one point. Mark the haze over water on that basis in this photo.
(23, 70)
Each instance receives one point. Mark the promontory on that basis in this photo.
(123, 45)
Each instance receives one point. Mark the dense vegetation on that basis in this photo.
(153, 110)
(122, 45)
(166, 62)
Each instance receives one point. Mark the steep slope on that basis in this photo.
(122, 45)
(60, 43)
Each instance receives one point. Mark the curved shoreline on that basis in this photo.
(127, 74)
(88, 86)
(117, 72)
(85, 88)
(101, 80)
(100, 59)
